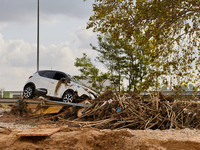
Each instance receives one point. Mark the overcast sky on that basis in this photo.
(63, 37)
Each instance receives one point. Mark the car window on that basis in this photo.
(58, 76)
(48, 74)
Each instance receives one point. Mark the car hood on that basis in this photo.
(83, 89)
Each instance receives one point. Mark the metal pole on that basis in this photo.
(38, 37)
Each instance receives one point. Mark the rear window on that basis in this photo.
(41, 72)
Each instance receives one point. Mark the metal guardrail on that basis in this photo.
(17, 94)
(10, 101)
(50, 103)
(174, 92)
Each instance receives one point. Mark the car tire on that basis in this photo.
(68, 97)
(28, 92)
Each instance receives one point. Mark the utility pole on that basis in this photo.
(38, 36)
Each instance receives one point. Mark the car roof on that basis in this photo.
(53, 71)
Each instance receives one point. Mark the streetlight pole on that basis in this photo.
(38, 37)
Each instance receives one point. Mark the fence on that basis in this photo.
(10, 94)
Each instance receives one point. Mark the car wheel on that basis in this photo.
(68, 97)
(28, 92)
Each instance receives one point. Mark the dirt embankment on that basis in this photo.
(94, 139)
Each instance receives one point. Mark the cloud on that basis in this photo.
(16, 11)
(12, 78)
(18, 61)
(75, 8)
(26, 10)
(16, 53)
(18, 58)
(57, 57)
(2, 25)
(83, 38)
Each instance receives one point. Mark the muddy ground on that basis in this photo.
(77, 138)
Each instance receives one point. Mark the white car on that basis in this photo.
(56, 85)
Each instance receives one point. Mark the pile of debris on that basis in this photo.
(116, 111)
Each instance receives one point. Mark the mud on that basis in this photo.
(72, 138)
(61, 81)
(24, 119)
(76, 138)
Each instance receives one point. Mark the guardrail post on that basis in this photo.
(2, 89)
(19, 102)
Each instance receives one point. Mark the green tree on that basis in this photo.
(112, 56)
(167, 31)
(90, 72)
(120, 61)
(191, 87)
(164, 88)
(184, 88)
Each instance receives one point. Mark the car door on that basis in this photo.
(43, 78)
(55, 88)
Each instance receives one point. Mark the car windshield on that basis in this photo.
(74, 79)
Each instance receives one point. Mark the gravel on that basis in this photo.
(14, 126)
(2, 110)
